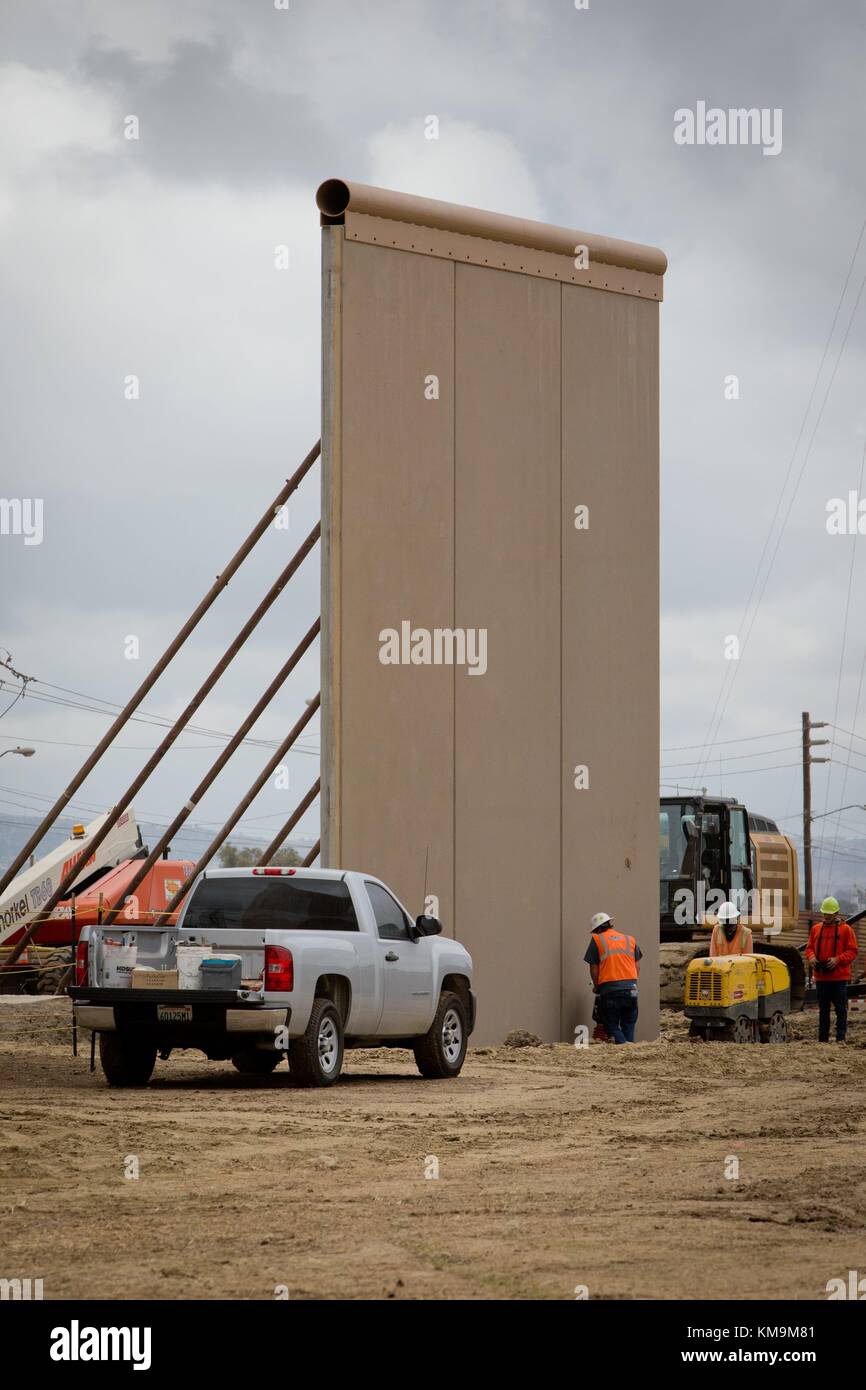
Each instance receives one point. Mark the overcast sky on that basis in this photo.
(155, 257)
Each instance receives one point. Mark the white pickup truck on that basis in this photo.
(327, 959)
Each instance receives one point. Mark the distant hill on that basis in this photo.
(187, 844)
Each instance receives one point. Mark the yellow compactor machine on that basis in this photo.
(739, 999)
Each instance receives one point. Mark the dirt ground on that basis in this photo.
(558, 1168)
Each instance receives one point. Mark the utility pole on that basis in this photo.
(808, 744)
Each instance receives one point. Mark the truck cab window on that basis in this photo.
(246, 903)
(391, 920)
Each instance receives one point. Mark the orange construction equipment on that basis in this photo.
(45, 959)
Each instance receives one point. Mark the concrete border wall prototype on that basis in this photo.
(490, 602)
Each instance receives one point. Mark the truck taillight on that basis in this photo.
(81, 957)
(279, 968)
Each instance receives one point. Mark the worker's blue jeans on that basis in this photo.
(618, 1011)
(833, 992)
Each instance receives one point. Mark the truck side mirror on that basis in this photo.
(427, 926)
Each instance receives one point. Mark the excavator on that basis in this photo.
(712, 849)
(103, 877)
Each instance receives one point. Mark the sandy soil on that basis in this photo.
(557, 1168)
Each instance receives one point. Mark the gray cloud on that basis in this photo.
(156, 257)
(200, 120)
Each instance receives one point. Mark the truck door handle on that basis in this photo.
(391, 955)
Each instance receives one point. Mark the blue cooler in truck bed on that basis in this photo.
(221, 972)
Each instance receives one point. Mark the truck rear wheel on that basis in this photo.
(256, 1062)
(442, 1050)
(316, 1059)
(126, 1062)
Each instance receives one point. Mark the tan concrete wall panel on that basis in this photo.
(397, 563)
(507, 722)
(459, 513)
(610, 634)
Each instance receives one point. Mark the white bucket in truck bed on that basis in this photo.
(189, 959)
(118, 963)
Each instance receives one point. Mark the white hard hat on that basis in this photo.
(600, 919)
(728, 913)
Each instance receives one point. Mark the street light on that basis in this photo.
(24, 752)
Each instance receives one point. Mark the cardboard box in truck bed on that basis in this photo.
(142, 978)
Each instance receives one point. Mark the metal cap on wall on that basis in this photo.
(336, 197)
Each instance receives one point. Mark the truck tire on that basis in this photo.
(316, 1059)
(256, 1062)
(126, 1062)
(442, 1050)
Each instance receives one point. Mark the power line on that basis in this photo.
(141, 717)
(733, 673)
(737, 757)
(838, 763)
(150, 748)
(157, 818)
(849, 734)
(153, 721)
(852, 752)
(743, 772)
(718, 743)
(198, 830)
(797, 835)
(202, 837)
(859, 830)
(6, 663)
(842, 653)
(14, 700)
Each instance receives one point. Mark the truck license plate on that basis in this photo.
(174, 1013)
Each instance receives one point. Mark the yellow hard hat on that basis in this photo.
(829, 906)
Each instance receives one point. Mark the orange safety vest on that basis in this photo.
(617, 959)
(739, 945)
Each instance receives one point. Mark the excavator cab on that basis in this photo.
(704, 857)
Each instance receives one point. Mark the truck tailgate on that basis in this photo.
(175, 1014)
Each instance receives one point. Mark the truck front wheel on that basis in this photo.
(126, 1062)
(316, 1059)
(442, 1050)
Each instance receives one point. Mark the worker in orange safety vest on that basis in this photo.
(730, 937)
(614, 965)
